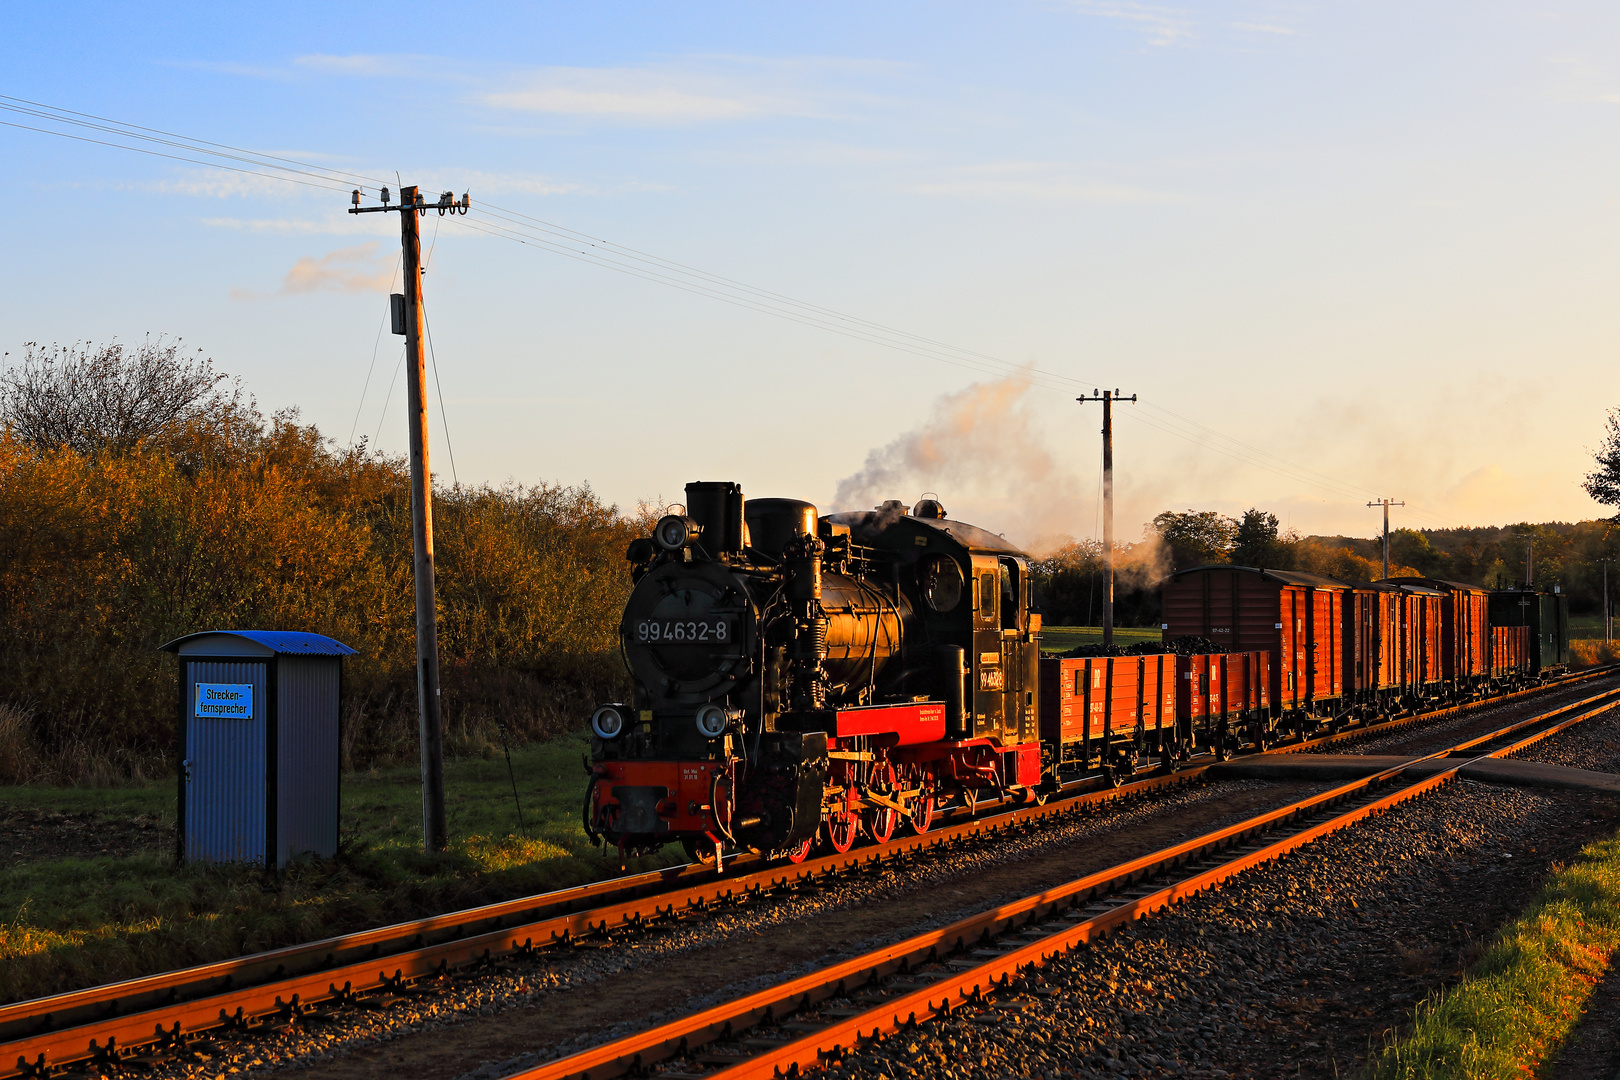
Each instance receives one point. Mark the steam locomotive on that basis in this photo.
(800, 676)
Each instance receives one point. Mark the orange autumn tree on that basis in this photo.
(218, 519)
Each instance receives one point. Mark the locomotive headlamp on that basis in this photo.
(607, 722)
(712, 721)
(674, 532)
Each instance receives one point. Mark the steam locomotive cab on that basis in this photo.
(800, 676)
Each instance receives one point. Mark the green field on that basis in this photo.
(1064, 638)
(1587, 626)
(93, 916)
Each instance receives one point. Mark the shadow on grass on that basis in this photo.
(68, 923)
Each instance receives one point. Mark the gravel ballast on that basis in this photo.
(568, 999)
(1297, 968)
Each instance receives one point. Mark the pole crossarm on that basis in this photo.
(446, 204)
(1108, 397)
(1386, 504)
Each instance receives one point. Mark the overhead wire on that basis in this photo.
(375, 345)
(1171, 423)
(572, 243)
(201, 146)
(444, 418)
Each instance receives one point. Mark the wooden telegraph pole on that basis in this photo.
(1606, 618)
(1108, 397)
(1386, 504)
(409, 321)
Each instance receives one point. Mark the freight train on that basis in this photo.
(803, 678)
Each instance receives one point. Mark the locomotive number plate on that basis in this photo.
(684, 631)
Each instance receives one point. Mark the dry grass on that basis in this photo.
(1589, 652)
(1519, 1003)
(73, 922)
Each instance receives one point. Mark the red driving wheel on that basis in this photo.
(922, 811)
(842, 828)
(881, 821)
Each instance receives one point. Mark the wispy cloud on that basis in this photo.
(1036, 181)
(689, 89)
(1162, 25)
(382, 66)
(1165, 25)
(337, 225)
(218, 184)
(693, 89)
(348, 270)
(1264, 28)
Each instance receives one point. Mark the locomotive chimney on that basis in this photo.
(717, 506)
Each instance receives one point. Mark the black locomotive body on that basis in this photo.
(799, 675)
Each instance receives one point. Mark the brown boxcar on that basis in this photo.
(1465, 643)
(1096, 710)
(1373, 621)
(1510, 653)
(1297, 618)
(1422, 670)
(1225, 698)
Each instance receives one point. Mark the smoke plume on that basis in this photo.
(981, 451)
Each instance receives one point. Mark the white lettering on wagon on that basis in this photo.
(223, 700)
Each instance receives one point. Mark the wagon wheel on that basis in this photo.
(923, 809)
(881, 821)
(842, 828)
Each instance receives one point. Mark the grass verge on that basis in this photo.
(81, 919)
(1064, 638)
(1520, 1002)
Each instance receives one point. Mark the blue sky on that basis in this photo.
(1376, 242)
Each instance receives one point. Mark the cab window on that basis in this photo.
(988, 591)
(1009, 594)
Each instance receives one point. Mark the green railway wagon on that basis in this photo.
(1547, 616)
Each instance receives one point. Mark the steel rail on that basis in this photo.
(104, 1022)
(101, 1023)
(920, 1001)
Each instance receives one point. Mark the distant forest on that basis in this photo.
(1553, 553)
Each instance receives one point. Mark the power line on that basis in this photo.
(201, 146)
(374, 347)
(571, 243)
(174, 157)
(676, 275)
(445, 420)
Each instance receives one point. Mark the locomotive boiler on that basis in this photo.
(799, 675)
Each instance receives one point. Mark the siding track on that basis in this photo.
(110, 1024)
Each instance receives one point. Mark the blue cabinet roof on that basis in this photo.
(280, 642)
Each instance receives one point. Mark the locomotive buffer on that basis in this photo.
(408, 321)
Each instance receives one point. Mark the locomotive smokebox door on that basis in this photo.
(258, 745)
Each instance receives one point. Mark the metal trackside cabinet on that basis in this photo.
(258, 745)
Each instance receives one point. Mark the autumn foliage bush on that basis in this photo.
(230, 522)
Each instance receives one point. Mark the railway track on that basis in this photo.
(112, 1024)
(805, 1022)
